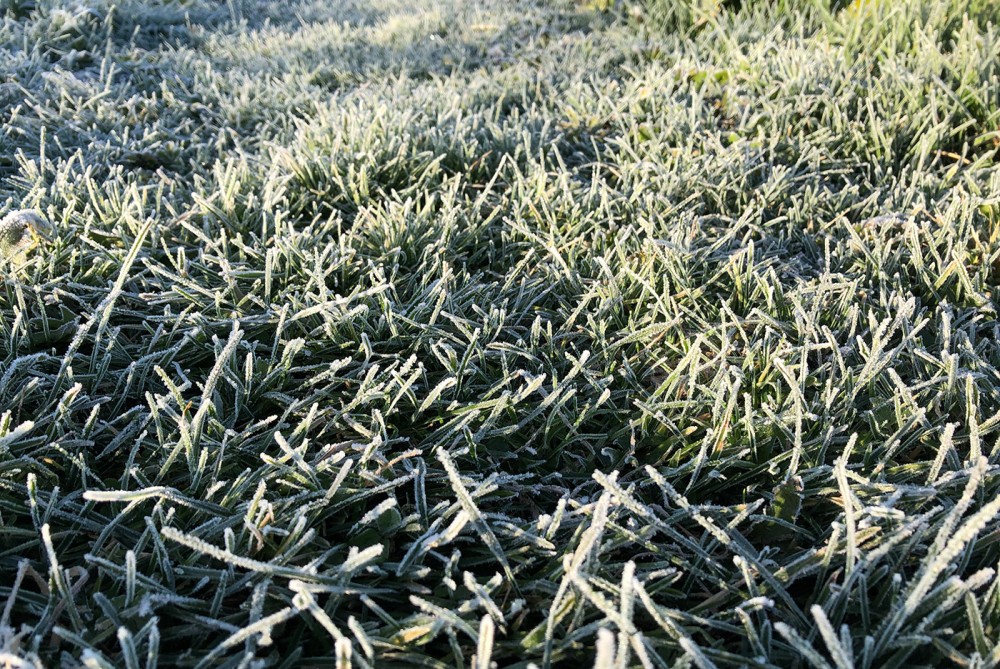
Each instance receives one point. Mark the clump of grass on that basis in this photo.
(509, 334)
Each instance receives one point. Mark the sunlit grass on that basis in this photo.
(394, 334)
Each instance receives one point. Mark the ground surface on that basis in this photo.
(444, 333)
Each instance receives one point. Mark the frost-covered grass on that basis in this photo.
(450, 333)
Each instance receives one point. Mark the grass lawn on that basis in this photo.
(475, 333)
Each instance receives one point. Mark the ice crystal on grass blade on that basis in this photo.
(14, 651)
(13, 655)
